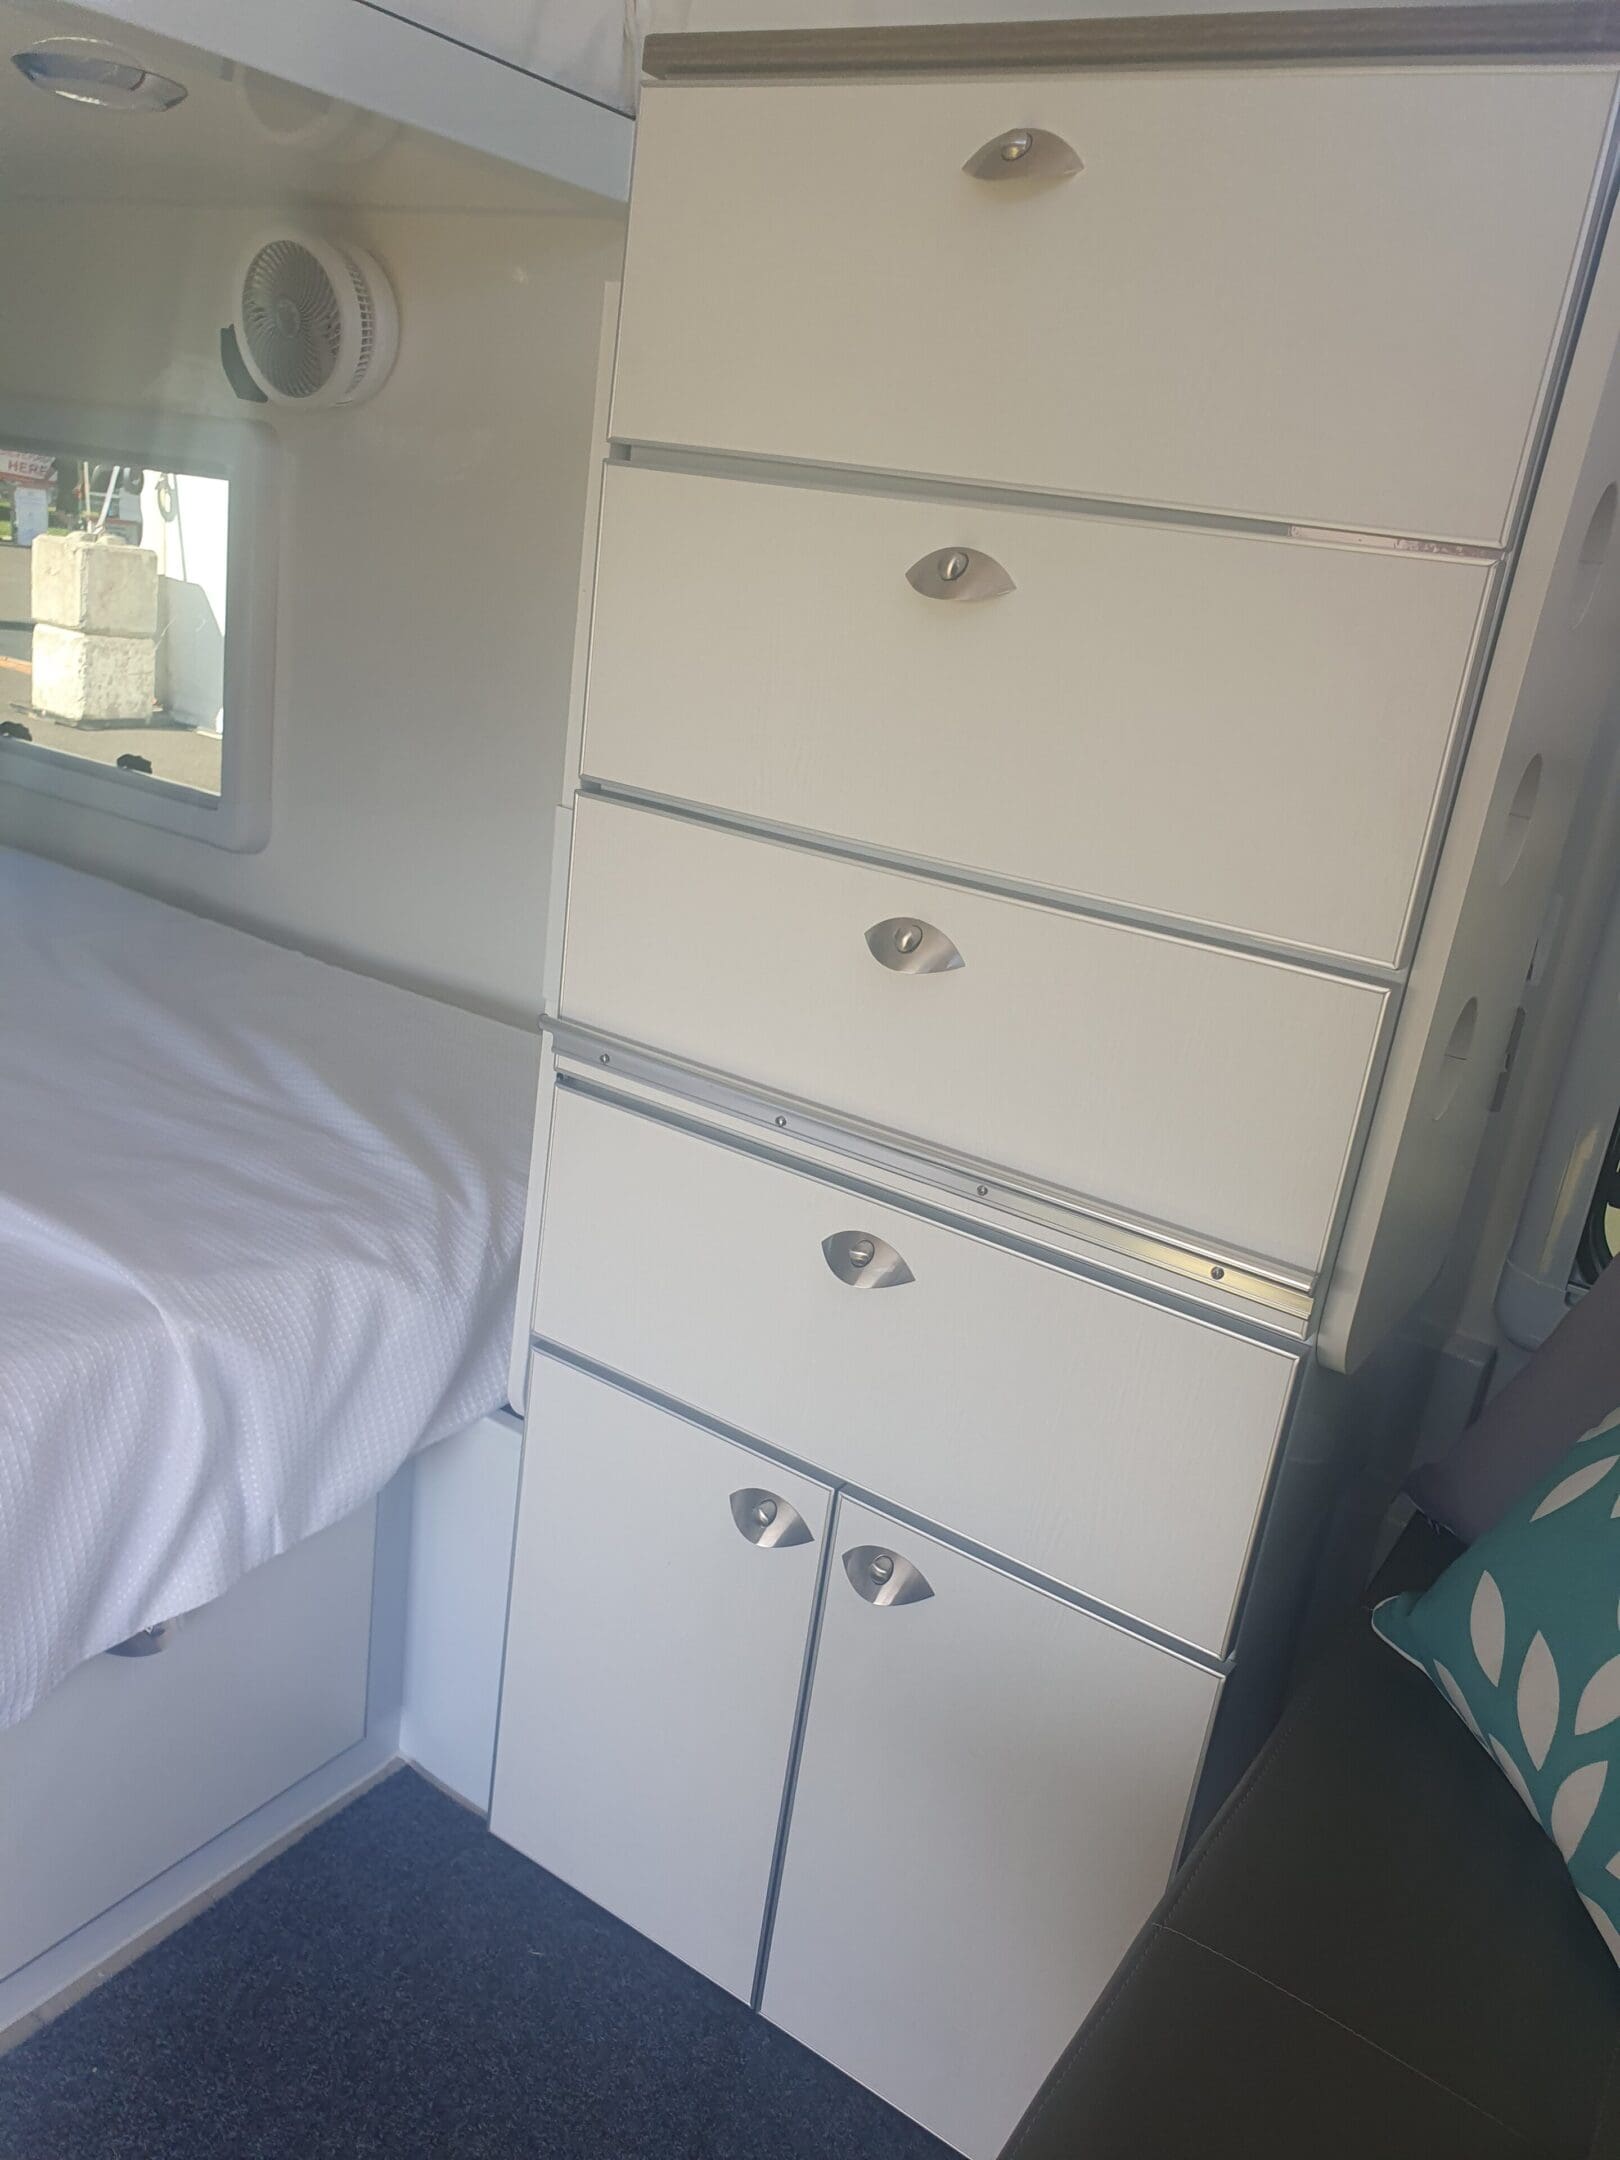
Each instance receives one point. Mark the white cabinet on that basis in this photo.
(662, 1591)
(1037, 1413)
(988, 1803)
(134, 1762)
(992, 1783)
(1237, 731)
(1074, 723)
(1329, 296)
(1184, 1084)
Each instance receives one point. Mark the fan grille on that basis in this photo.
(293, 320)
(367, 342)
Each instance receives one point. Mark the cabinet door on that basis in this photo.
(1324, 294)
(662, 1590)
(988, 1805)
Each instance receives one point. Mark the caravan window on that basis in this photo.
(133, 648)
(113, 610)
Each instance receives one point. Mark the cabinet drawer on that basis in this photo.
(988, 1805)
(1329, 296)
(1095, 1437)
(1188, 1085)
(134, 1762)
(654, 1655)
(1245, 733)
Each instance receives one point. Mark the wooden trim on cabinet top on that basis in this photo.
(1499, 30)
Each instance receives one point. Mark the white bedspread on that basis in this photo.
(259, 1226)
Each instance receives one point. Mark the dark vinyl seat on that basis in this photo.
(1371, 1954)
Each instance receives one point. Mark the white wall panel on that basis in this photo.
(429, 565)
(463, 1510)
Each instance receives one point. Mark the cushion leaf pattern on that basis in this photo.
(1521, 1637)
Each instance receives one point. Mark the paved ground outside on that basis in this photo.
(185, 755)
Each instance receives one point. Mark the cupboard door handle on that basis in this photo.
(959, 573)
(1025, 154)
(908, 946)
(864, 1261)
(884, 1578)
(765, 1518)
(146, 1641)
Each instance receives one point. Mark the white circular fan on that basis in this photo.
(316, 321)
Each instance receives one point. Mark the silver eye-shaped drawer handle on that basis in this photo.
(765, 1518)
(959, 573)
(908, 946)
(147, 1641)
(865, 1262)
(1025, 154)
(884, 1578)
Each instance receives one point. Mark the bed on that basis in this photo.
(259, 1228)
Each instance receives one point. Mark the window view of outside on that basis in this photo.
(112, 613)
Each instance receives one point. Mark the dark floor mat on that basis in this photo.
(400, 1984)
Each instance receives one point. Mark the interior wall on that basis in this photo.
(429, 563)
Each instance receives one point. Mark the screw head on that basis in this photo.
(954, 565)
(861, 1251)
(765, 1513)
(908, 937)
(1017, 146)
(881, 1567)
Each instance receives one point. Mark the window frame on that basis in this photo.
(242, 453)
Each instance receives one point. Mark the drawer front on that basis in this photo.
(1329, 297)
(1090, 1435)
(1189, 1085)
(988, 1804)
(1140, 720)
(654, 1654)
(134, 1762)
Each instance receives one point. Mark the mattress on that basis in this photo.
(259, 1230)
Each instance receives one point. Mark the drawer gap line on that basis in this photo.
(1275, 1286)
(1225, 1318)
(1183, 929)
(761, 467)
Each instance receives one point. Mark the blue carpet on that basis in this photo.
(400, 1985)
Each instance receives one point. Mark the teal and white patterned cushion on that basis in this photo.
(1522, 1637)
